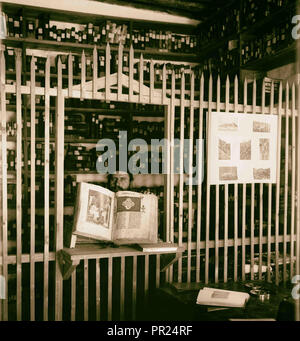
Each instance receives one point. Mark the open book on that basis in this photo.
(222, 298)
(124, 217)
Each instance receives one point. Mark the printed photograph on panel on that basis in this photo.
(224, 150)
(261, 173)
(261, 127)
(228, 124)
(98, 209)
(264, 149)
(228, 173)
(245, 150)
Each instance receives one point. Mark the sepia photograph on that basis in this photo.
(261, 127)
(224, 150)
(261, 173)
(149, 165)
(245, 150)
(264, 149)
(228, 173)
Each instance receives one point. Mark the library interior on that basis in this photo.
(135, 163)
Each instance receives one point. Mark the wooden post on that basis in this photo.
(19, 183)
(3, 231)
(181, 151)
(59, 188)
(190, 185)
(32, 189)
(252, 222)
(95, 71)
(286, 181)
(199, 186)
(217, 223)
(278, 185)
(210, 90)
(244, 203)
(293, 189)
(236, 99)
(107, 72)
(46, 187)
(270, 202)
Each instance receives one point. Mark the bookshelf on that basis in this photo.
(257, 39)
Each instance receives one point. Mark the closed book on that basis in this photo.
(222, 298)
(157, 247)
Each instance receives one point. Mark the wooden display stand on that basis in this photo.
(69, 258)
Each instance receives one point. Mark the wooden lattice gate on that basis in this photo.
(223, 228)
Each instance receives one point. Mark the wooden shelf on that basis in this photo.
(78, 47)
(282, 57)
(70, 258)
(264, 24)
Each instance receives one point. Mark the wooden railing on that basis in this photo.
(220, 236)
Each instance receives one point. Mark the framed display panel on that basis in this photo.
(242, 148)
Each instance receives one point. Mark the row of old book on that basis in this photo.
(239, 17)
(106, 32)
(101, 66)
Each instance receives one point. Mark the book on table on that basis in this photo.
(222, 298)
(124, 217)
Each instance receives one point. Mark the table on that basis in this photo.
(177, 302)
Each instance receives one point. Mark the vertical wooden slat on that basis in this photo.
(146, 286)
(278, 185)
(210, 89)
(95, 71)
(181, 151)
(59, 188)
(297, 302)
(227, 89)
(107, 72)
(293, 189)
(286, 181)
(70, 74)
(190, 188)
(157, 272)
(131, 73)
(73, 296)
(83, 75)
(19, 183)
(32, 189)
(122, 288)
(270, 203)
(98, 301)
(134, 285)
(164, 85)
(46, 187)
(172, 129)
(151, 81)
(167, 176)
(261, 208)
(170, 184)
(217, 199)
(236, 99)
(3, 232)
(109, 290)
(252, 222)
(244, 200)
(199, 186)
(141, 78)
(120, 69)
(86, 289)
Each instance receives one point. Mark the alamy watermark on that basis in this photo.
(296, 29)
(296, 288)
(139, 162)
